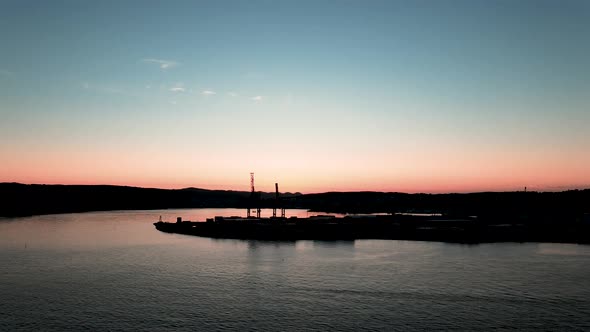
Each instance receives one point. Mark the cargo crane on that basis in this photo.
(254, 198)
(254, 201)
(277, 203)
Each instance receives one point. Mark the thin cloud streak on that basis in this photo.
(208, 93)
(178, 87)
(164, 64)
(256, 98)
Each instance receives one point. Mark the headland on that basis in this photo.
(395, 226)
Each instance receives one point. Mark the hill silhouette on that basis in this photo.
(18, 199)
(31, 199)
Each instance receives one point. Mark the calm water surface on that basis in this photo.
(113, 271)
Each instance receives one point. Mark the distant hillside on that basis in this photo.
(489, 204)
(23, 199)
(20, 199)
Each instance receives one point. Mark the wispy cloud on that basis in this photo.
(164, 64)
(208, 92)
(256, 98)
(178, 88)
(232, 94)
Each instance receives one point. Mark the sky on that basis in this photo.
(404, 96)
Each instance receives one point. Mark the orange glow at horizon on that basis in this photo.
(309, 182)
(304, 171)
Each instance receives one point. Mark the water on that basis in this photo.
(113, 271)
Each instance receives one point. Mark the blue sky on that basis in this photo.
(342, 95)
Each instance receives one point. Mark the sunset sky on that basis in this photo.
(411, 96)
